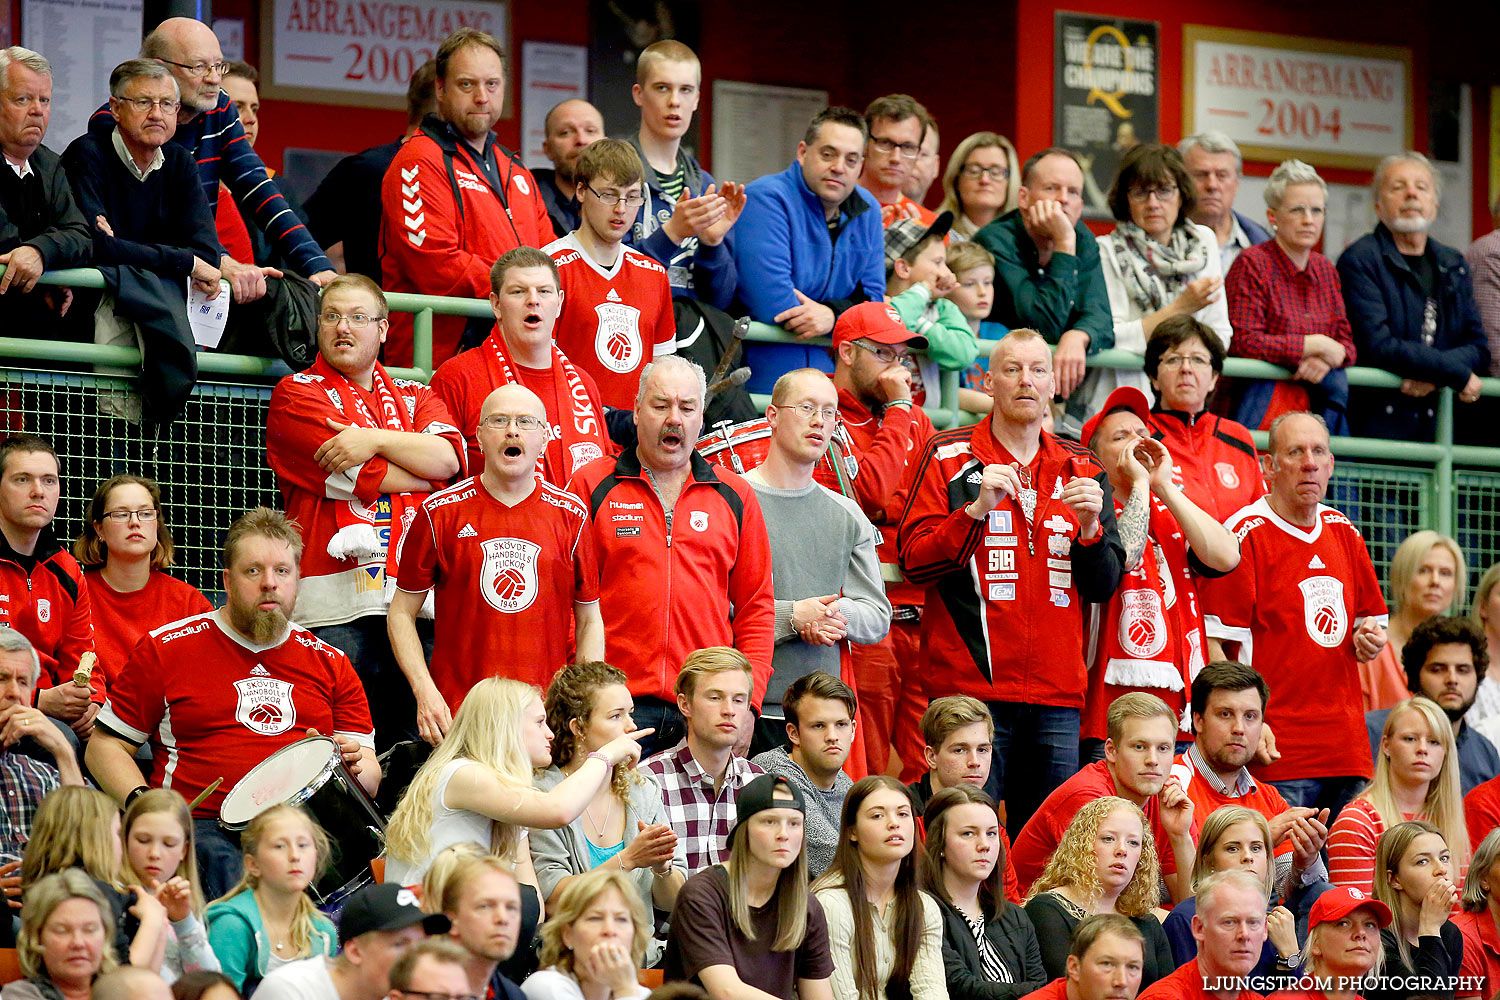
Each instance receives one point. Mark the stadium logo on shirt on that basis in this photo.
(508, 579)
(1143, 629)
(1227, 475)
(265, 705)
(1323, 610)
(618, 340)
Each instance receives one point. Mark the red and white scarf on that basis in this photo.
(583, 435)
(357, 538)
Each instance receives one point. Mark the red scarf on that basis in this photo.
(581, 431)
(358, 537)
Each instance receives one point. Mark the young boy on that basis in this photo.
(973, 292)
(617, 306)
(916, 280)
(688, 217)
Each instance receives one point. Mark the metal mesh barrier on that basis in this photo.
(1476, 520)
(1386, 503)
(210, 464)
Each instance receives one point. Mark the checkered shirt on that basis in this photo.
(24, 782)
(701, 821)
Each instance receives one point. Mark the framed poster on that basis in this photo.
(550, 74)
(757, 127)
(1105, 95)
(84, 40)
(1330, 103)
(363, 52)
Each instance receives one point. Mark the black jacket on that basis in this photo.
(1011, 934)
(63, 237)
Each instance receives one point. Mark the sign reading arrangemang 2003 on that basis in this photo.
(1337, 104)
(363, 51)
(1104, 95)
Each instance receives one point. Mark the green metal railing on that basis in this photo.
(211, 464)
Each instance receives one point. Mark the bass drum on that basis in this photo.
(743, 446)
(311, 773)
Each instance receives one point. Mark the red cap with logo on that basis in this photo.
(1126, 397)
(1341, 900)
(878, 322)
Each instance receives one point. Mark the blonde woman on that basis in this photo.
(1486, 614)
(1428, 577)
(1105, 863)
(1416, 777)
(477, 785)
(980, 182)
(1413, 878)
(593, 942)
(64, 945)
(1344, 945)
(1479, 919)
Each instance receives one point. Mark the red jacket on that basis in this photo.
(1003, 619)
(663, 595)
(435, 244)
(883, 446)
(1213, 460)
(49, 604)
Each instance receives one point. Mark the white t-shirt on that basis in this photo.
(449, 827)
(303, 979)
(549, 984)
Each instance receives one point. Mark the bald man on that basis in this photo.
(570, 127)
(131, 983)
(509, 565)
(209, 127)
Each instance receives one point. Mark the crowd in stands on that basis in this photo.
(1085, 699)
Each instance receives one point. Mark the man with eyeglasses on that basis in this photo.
(824, 568)
(355, 452)
(433, 969)
(454, 200)
(209, 128)
(378, 925)
(510, 567)
(925, 170)
(897, 125)
(616, 302)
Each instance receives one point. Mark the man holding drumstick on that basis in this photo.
(220, 692)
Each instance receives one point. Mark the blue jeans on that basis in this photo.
(654, 713)
(1042, 742)
(220, 861)
(1332, 794)
(393, 707)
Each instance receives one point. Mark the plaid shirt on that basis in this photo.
(1273, 307)
(1484, 267)
(700, 820)
(24, 782)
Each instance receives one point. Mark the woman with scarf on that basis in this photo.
(1157, 263)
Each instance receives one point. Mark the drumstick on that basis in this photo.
(205, 794)
(85, 669)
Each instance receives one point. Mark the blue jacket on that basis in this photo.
(696, 271)
(782, 242)
(1386, 308)
(1256, 233)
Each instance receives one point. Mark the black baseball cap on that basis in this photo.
(760, 793)
(386, 907)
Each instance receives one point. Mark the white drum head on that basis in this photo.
(278, 779)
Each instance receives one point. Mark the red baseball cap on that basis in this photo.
(1125, 397)
(1342, 900)
(876, 321)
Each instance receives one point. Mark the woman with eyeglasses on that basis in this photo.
(977, 186)
(1157, 263)
(1288, 309)
(126, 549)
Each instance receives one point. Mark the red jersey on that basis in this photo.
(668, 588)
(504, 579)
(214, 704)
(121, 619)
(1200, 786)
(567, 391)
(1149, 637)
(883, 448)
(1003, 616)
(614, 319)
(1213, 460)
(906, 208)
(444, 224)
(46, 599)
(1055, 990)
(1186, 983)
(1293, 604)
(348, 526)
(1043, 831)
(1482, 811)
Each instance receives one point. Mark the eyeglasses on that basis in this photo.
(357, 321)
(806, 411)
(1176, 361)
(885, 355)
(523, 422)
(200, 68)
(121, 516)
(438, 996)
(1165, 192)
(829, 156)
(908, 150)
(610, 199)
(168, 105)
(974, 171)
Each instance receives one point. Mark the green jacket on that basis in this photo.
(1067, 294)
(950, 342)
(238, 936)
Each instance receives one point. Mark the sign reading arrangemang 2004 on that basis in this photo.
(363, 51)
(1104, 95)
(1337, 104)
